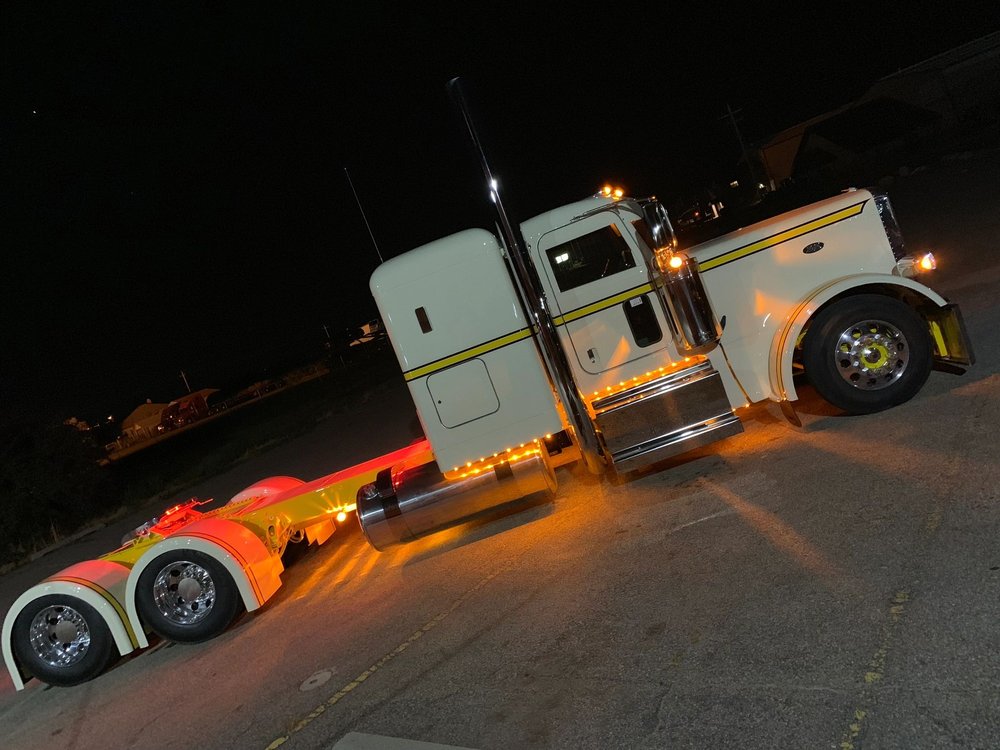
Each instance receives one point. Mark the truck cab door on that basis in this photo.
(603, 300)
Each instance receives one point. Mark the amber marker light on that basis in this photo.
(341, 517)
(641, 379)
(472, 469)
(928, 262)
(676, 262)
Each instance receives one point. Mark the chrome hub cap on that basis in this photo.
(184, 592)
(871, 355)
(59, 635)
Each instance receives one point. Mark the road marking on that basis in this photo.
(381, 662)
(875, 671)
(934, 519)
(728, 512)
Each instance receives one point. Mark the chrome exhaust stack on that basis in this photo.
(404, 503)
(536, 307)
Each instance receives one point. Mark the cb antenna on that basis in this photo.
(362, 210)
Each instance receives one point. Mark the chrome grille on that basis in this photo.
(891, 226)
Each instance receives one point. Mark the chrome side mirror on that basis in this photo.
(662, 231)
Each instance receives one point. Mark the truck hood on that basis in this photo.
(794, 221)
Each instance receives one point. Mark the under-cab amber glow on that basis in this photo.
(928, 262)
(341, 517)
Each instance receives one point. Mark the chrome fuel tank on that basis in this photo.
(400, 506)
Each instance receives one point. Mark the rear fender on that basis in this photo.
(783, 344)
(99, 583)
(255, 568)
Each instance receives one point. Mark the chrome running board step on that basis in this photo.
(664, 417)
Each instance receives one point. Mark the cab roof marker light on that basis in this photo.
(608, 191)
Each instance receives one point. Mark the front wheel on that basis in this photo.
(62, 640)
(867, 353)
(186, 596)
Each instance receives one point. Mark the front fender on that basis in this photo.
(255, 569)
(99, 583)
(783, 344)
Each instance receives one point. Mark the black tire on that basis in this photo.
(62, 640)
(186, 596)
(867, 353)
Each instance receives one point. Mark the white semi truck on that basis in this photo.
(586, 333)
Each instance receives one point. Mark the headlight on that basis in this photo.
(909, 265)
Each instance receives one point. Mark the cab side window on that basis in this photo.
(590, 257)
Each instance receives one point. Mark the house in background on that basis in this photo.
(150, 420)
(142, 423)
(186, 409)
(949, 102)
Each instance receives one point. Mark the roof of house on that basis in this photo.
(143, 413)
(872, 123)
(985, 45)
(203, 393)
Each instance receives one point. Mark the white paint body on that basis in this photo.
(765, 281)
(490, 400)
(768, 295)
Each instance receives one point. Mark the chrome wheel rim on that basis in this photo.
(184, 592)
(871, 355)
(59, 636)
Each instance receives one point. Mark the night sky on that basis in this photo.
(174, 194)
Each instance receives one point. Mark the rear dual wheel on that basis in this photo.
(62, 640)
(187, 596)
(183, 595)
(867, 353)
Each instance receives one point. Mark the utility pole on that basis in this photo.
(329, 344)
(731, 116)
(362, 210)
